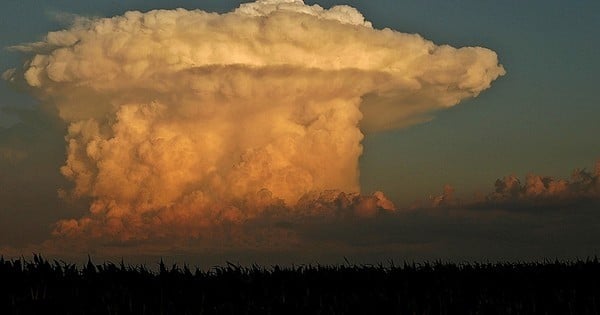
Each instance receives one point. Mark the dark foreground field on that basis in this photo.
(43, 287)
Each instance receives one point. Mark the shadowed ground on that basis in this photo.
(43, 287)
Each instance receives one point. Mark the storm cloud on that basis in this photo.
(181, 122)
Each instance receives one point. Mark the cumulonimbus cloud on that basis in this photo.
(182, 119)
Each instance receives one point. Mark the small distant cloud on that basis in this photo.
(67, 18)
(11, 155)
(532, 192)
(7, 120)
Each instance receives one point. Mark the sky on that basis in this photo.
(436, 179)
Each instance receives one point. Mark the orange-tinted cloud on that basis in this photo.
(510, 223)
(536, 191)
(180, 121)
(582, 184)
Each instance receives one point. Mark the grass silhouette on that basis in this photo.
(43, 287)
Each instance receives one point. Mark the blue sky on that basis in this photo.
(538, 118)
(541, 117)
